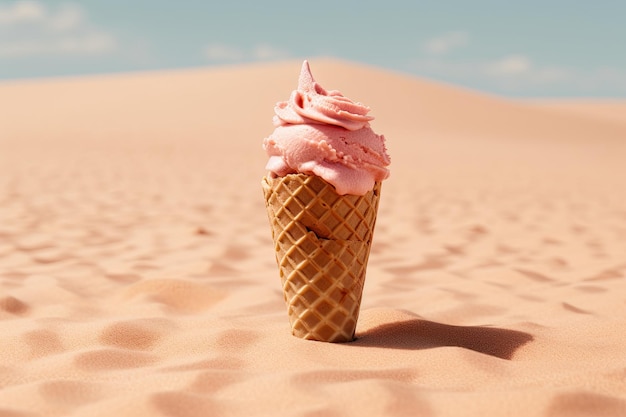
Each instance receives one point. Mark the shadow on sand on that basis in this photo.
(424, 334)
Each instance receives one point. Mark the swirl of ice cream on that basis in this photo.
(311, 103)
(323, 133)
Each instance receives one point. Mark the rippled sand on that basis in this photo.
(137, 275)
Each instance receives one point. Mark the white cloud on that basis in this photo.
(517, 72)
(69, 17)
(512, 72)
(219, 52)
(506, 68)
(93, 43)
(29, 28)
(445, 43)
(20, 12)
(509, 65)
(265, 51)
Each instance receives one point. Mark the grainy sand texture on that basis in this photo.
(138, 278)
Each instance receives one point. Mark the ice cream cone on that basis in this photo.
(322, 242)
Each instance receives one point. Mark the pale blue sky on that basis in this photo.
(512, 48)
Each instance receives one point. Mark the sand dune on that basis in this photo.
(605, 110)
(193, 102)
(137, 275)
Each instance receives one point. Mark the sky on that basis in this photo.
(530, 48)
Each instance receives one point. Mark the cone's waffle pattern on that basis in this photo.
(322, 242)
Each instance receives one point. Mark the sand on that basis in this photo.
(137, 276)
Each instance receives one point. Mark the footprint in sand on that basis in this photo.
(43, 342)
(580, 403)
(182, 404)
(135, 334)
(178, 295)
(109, 359)
(70, 393)
(236, 339)
(14, 306)
(214, 380)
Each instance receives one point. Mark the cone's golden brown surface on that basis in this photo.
(322, 242)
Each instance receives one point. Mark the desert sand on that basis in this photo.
(137, 274)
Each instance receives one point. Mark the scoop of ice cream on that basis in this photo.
(323, 133)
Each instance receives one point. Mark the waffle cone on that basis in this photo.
(322, 242)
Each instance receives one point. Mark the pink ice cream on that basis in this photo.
(323, 133)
